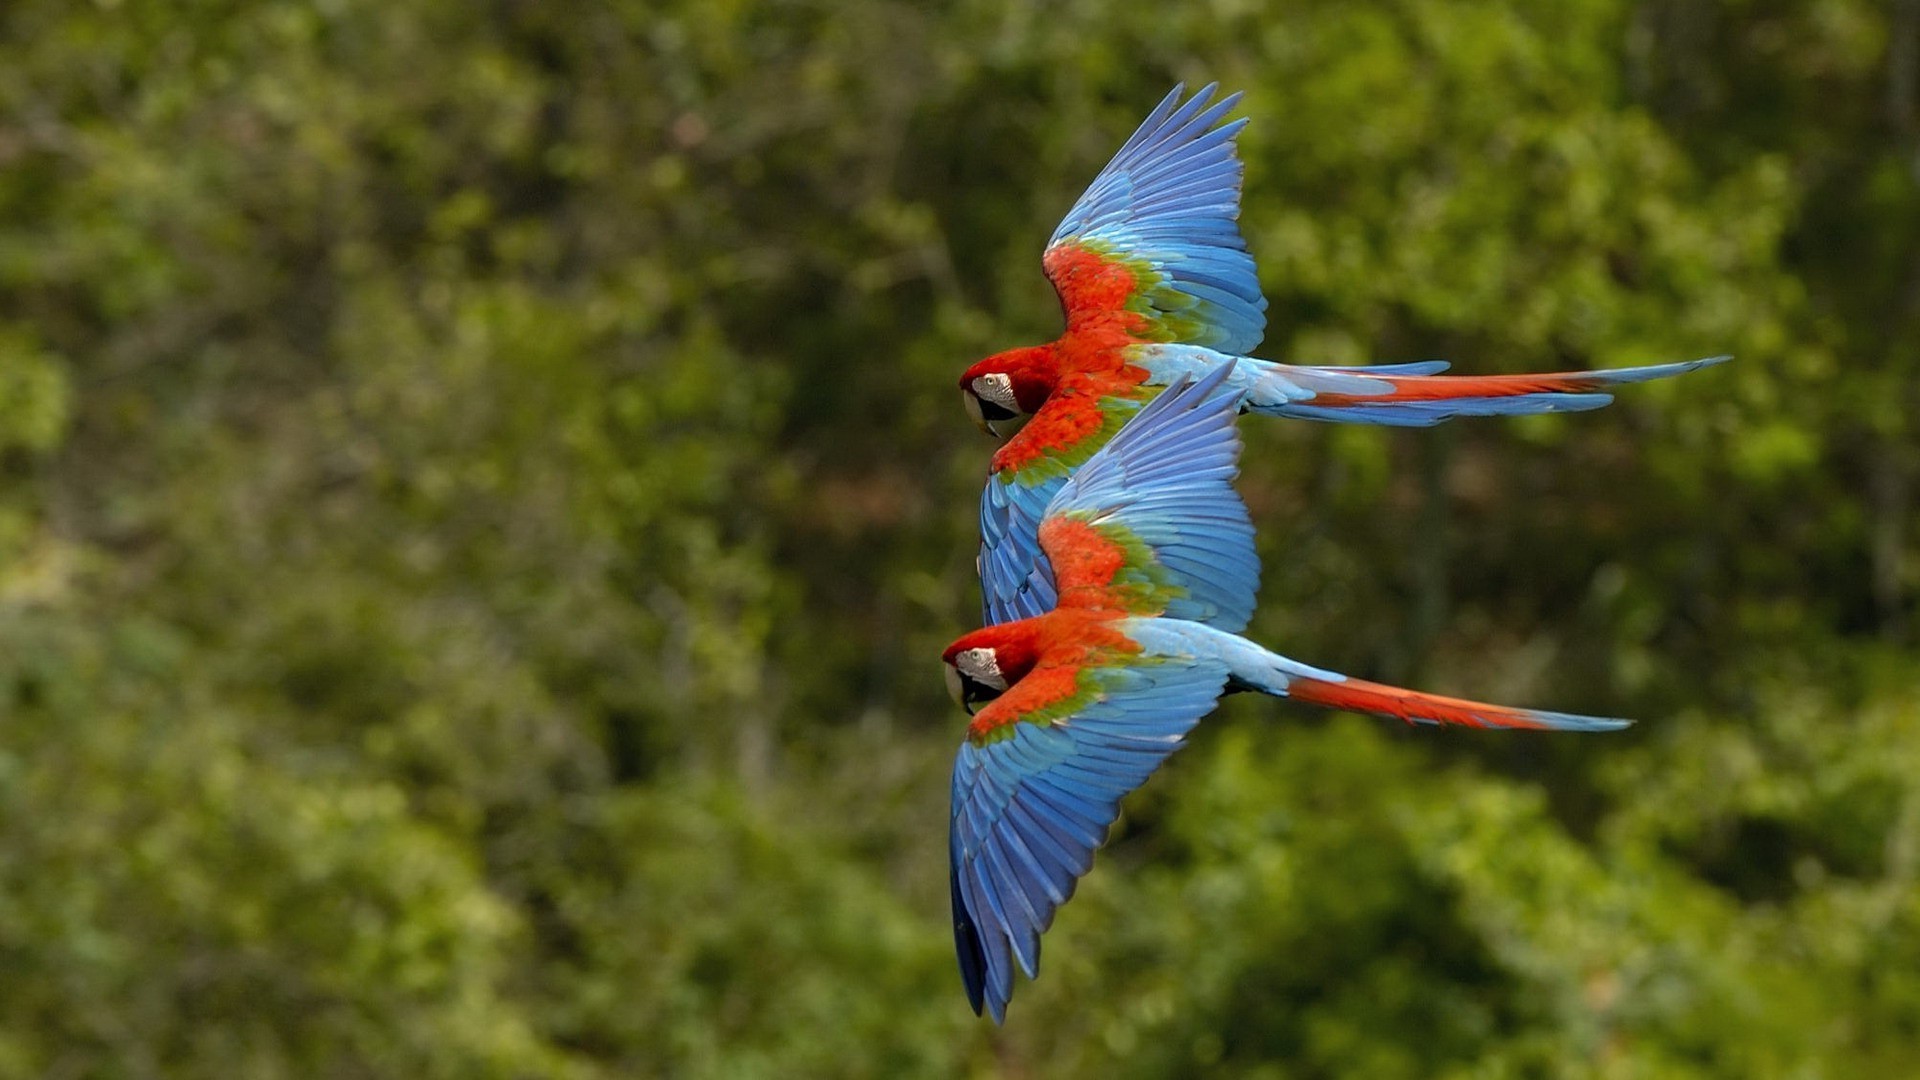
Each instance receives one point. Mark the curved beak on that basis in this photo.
(973, 410)
(957, 689)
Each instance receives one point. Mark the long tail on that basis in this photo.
(1373, 396)
(1359, 695)
(1252, 667)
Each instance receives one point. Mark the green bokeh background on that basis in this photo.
(482, 492)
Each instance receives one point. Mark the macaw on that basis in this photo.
(1151, 552)
(1155, 282)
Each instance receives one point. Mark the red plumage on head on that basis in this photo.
(1032, 370)
(1015, 645)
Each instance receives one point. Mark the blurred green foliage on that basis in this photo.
(481, 493)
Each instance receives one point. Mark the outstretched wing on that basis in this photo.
(1155, 239)
(1151, 524)
(1016, 582)
(1084, 413)
(1037, 784)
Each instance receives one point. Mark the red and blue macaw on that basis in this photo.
(1155, 282)
(1151, 554)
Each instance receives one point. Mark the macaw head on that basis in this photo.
(1006, 385)
(973, 675)
(981, 665)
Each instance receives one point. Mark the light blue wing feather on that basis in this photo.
(1168, 206)
(1166, 481)
(1030, 807)
(1015, 580)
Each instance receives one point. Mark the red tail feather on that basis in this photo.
(1450, 387)
(1359, 695)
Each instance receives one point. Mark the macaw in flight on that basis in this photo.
(1151, 553)
(1155, 282)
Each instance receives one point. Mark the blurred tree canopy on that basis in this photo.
(481, 494)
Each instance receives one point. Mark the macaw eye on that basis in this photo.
(997, 389)
(982, 667)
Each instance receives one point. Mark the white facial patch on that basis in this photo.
(998, 389)
(981, 666)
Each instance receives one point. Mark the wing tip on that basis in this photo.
(967, 947)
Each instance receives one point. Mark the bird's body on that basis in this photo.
(1149, 554)
(1155, 283)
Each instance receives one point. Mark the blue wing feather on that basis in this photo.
(1167, 478)
(1170, 198)
(1016, 581)
(1030, 807)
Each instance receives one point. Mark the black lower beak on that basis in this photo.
(966, 691)
(985, 414)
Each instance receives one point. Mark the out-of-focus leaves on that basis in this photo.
(481, 494)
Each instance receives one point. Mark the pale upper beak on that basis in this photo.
(956, 689)
(973, 409)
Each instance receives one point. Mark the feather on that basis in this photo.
(1167, 207)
